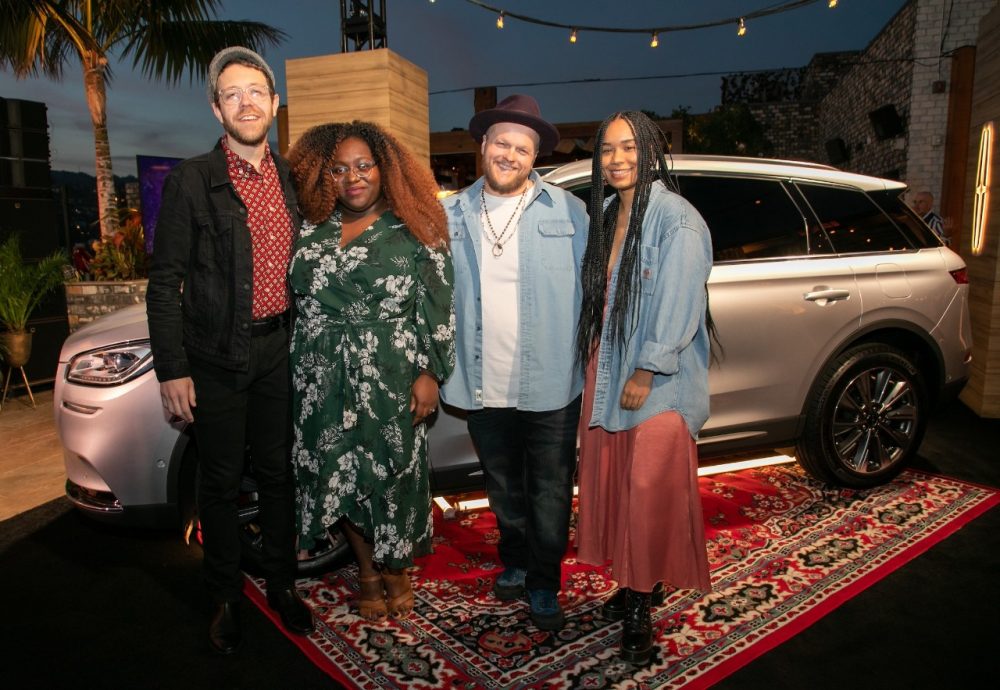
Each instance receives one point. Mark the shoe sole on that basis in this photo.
(508, 593)
(549, 623)
(640, 658)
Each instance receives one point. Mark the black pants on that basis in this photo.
(236, 410)
(528, 459)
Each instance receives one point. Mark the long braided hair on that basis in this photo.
(407, 184)
(650, 142)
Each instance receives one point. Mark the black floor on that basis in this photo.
(86, 606)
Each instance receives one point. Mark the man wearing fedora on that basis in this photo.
(217, 307)
(517, 244)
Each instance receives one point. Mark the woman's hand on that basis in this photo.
(423, 397)
(636, 389)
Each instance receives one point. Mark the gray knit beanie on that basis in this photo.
(227, 56)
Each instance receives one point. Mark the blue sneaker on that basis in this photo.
(546, 613)
(509, 584)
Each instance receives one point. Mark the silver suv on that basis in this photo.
(841, 319)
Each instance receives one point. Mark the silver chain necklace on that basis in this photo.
(498, 239)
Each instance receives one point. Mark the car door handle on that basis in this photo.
(822, 295)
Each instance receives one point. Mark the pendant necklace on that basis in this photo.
(499, 239)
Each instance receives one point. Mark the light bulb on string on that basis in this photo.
(655, 41)
(572, 36)
(500, 21)
(833, 3)
(742, 29)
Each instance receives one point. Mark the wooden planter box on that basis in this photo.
(87, 300)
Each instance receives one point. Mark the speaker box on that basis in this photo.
(886, 122)
(836, 151)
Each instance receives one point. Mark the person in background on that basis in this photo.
(643, 340)
(518, 244)
(923, 204)
(374, 336)
(217, 304)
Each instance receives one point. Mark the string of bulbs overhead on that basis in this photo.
(653, 32)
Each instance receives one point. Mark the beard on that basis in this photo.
(510, 183)
(252, 133)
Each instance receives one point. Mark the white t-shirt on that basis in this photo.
(498, 278)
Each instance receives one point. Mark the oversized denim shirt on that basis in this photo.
(671, 337)
(552, 238)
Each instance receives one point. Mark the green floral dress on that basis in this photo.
(369, 317)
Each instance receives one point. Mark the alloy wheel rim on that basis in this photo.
(875, 420)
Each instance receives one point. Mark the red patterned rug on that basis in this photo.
(784, 551)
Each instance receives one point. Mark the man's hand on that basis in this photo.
(423, 397)
(178, 397)
(636, 389)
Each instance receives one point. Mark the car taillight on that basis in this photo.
(961, 276)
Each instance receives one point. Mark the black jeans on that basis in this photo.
(528, 459)
(236, 410)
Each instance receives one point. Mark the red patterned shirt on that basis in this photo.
(270, 229)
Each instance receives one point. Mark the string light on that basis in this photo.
(572, 36)
(742, 29)
(655, 41)
(779, 7)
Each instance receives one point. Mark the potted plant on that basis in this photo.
(22, 287)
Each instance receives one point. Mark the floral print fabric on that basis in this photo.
(369, 317)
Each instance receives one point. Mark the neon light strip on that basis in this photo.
(450, 510)
(981, 198)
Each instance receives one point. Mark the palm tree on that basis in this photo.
(166, 39)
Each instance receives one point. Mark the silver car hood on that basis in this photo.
(124, 325)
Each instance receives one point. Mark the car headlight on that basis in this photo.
(111, 366)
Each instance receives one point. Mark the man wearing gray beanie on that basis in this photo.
(218, 306)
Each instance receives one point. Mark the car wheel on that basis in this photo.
(865, 419)
(327, 554)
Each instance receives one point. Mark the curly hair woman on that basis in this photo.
(374, 335)
(643, 339)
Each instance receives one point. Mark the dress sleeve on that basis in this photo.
(435, 312)
(678, 274)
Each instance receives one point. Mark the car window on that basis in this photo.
(748, 218)
(853, 222)
(915, 229)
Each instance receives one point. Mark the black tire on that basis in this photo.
(328, 555)
(865, 418)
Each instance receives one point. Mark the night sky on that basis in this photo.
(460, 47)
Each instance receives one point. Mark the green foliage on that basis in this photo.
(729, 130)
(123, 255)
(23, 285)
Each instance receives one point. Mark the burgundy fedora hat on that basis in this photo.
(522, 110)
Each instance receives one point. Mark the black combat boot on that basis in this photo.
(637, 631)
(614, 608)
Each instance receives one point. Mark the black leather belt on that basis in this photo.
(269, 325)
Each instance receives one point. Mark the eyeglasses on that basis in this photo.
(233, 95)
(362, 169)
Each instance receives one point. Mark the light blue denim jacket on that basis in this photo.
(551, 242)
(671, 338)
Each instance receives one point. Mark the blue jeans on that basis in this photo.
(528, 460)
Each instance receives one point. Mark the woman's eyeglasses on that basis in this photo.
(362, 169)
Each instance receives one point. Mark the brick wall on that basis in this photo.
(89, 300)
(941, 26)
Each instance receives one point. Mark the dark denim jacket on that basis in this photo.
(201, 280)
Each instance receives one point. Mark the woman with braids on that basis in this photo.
(644, 344)
(373, 338)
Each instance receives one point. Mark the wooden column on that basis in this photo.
(982, 393)
(956, 147)
(374, 85)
